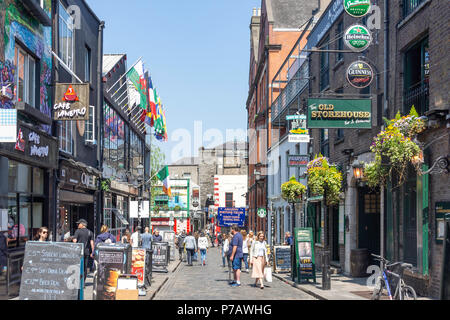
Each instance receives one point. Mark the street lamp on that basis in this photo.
(140, 171)
(257, 175)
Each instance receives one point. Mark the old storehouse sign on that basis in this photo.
(359, 74)
(72, 102)
(340, 113)
(357, 8)
(357, 38)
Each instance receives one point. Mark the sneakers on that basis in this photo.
(236, 284)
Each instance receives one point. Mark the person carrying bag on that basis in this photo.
(259, 259)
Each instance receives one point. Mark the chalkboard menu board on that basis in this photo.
(304, 250)
(160, 256)
(51, 271)
(112, 260)
(282, 258)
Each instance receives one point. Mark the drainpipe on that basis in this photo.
(99, 120)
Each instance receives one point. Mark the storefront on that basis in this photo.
(25, 194)
(77, 198)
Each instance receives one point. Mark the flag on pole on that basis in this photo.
(163, 175)
(136, 77)
(152, 102)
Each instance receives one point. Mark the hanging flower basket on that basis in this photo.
(324, 179)
(395, 148)
(292, 191)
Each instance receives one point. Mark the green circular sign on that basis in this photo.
(357, 38)
(261, 212)
(357, 8)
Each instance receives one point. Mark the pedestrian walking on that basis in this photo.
(225, 247)
(146, 239)
(236, 255)
(157, 237)
(191, 247)
(126, 238)
(86, 237)
(195, 256)
(288, 240)
(42, 234)
(180, 244)
(259, 258)
(136, 237)
(245, 249)
(203, 247)
(104, 236)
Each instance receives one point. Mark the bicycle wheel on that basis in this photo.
(378, 289)
(408, 293)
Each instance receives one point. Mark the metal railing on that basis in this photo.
(293, 87)
(417, 96)
(410, 5)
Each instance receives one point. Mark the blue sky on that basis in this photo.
(197, 53)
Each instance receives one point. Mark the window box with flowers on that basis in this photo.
(324, 179)
(395, 148)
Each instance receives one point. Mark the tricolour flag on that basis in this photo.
(163, 175)
(136, 76)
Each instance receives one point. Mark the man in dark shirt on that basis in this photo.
(85, 236)
(157, 237)
(236, 255)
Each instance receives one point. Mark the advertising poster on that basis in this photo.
(304, 249)
(138, 265)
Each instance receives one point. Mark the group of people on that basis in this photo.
(192, 244)
(238, 248)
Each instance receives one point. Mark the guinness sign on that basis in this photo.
(359, 74)
(357, 38)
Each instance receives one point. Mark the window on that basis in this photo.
(340, 41)
(89, 134)
(229, 203)
(66, 35)
(410, 5)
(324, 145)
(325, 65)
(26, 77)
(65, 136)
(287, 167)
(87, 65)
(416, 77)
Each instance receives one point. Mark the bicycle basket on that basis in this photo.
(393, 281)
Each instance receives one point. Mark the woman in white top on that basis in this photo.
(203, 247)
(245, 248)
(259, 258)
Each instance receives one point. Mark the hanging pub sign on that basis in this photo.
(300, 160)
(340, 113)
(359, 74)
(72, 102)
(357, 8)
(297, 128)
(357, 38)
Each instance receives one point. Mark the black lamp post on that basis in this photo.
(140, 170)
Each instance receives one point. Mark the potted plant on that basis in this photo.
(324, 179)
(105, 185)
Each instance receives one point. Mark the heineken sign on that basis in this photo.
(357, 38)
(359, 74)
(340, 113)
(357, 8)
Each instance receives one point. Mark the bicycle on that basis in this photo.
(394, 272)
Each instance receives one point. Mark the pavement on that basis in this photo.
(211, 282)
(342, 287)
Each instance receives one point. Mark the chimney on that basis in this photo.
(254, 12)
(259, 12)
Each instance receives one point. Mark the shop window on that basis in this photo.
(26, 76)
(410, 5)
(340, 41)
(229, 200)
(38, 181)
(87, 64)
(416, 78)
(65, 136)
(66, 37)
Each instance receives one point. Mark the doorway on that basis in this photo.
(335, 235)
(369, 220)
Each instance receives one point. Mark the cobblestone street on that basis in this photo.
(210, 282)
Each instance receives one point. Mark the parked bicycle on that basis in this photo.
(391, 278)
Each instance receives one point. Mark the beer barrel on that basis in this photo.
(359, 261)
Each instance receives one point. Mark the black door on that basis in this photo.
(369, 220)
(335, 244)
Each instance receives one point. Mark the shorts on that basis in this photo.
(237, 263)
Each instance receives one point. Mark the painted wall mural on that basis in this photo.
(20, 25)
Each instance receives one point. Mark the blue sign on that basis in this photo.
(227, 217)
